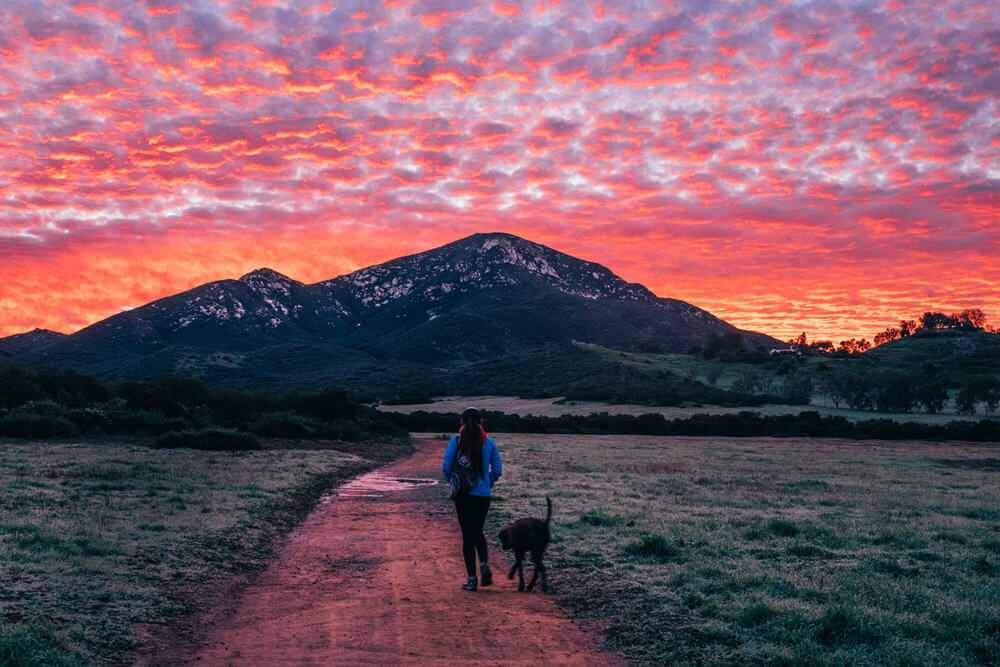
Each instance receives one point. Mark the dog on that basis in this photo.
(528, 535)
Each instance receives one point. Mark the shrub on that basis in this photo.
(285, 425)
(209, 438)
(25, 424)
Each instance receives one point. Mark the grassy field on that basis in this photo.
(95, 539)
(551, 407)
(789, 551)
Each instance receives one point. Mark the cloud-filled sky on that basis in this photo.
(821, 166)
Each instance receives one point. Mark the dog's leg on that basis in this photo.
(520, 571)
(536, 558)
(513, 568)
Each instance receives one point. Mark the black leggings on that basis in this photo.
(471, 512)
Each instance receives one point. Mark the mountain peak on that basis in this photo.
(264, 273)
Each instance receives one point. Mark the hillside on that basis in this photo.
(952, 350)
(488, 296)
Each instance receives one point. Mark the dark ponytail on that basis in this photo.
(471, 438)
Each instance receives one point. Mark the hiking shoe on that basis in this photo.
(470, 584)
(486, 573)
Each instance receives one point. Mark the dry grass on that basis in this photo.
(551, 407)
(728, 551)
(95, 539)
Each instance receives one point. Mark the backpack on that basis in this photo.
(463, 476)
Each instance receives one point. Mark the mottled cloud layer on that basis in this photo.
(820, 166)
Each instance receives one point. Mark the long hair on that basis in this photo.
(471, 438)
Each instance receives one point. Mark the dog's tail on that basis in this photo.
(548, 514)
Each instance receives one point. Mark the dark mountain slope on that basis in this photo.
(485, 296)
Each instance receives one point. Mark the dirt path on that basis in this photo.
(373, 576)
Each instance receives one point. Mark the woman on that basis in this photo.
(472, 507)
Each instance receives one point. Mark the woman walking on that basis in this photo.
(472, 465)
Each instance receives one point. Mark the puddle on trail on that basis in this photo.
(377, 484)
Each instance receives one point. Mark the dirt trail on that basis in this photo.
(373, 576)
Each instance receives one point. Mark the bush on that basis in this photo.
(285, 425)
(209, 438)
(25, 424)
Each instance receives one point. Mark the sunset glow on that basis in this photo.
(788, 166)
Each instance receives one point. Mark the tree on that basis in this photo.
(854, 346)
(976, 389)
(835, 385)
(932, 395)
(751, 382)
(859, 392)
(712, 346)
(889, 334)
(971, 318)
(714, 372)
(934, 320)
(893, 392)
(907, 327)
(797, 389)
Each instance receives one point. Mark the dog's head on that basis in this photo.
(504, 538)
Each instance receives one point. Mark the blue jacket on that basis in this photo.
(492, 468)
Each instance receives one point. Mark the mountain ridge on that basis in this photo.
(483, 296)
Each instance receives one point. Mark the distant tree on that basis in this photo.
(907, 327)
(714, 372)
(712, 346)
(859, 392)
(976, 389)
(751, 382)
(971, 318)
(732, 340)
(894, 392)
(797, 389)
(934, 320)
(932, 395)
(889, 334)
(835, 386)
(822, 346)
(800, 340)
(854, 346)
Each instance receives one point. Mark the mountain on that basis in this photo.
(22, 343)
(478, 298)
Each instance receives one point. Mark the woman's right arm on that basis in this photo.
(449, 456)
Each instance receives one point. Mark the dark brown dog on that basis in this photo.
(532, 536)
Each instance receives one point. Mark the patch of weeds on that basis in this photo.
(757, 613)
(806, 550)
(782, 528)
(983, 565)
(595, 518)
(654, 546)
(841, 624)
(36, 644)
(893, 568)
(926, 556)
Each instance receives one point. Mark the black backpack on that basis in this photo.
(463, 476)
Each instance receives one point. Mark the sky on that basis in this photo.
(827, 167)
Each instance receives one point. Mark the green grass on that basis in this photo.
(794, 551)
(96, 539)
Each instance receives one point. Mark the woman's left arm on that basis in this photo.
(496, 468)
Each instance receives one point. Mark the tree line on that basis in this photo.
(931, 322)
